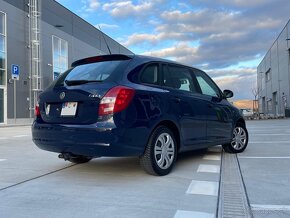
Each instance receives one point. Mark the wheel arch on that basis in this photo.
(241, 121)
(173, 127)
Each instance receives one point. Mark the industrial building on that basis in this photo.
(273, 77)
(38, 41)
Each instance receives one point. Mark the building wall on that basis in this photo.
(274, 93)
(76, 49)
(17, 53)
(83, 40)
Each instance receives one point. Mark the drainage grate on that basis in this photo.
(271, 211)
(233, 201)
(271, 214)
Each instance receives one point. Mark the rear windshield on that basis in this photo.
(98, 71)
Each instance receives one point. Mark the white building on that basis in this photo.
(273, 77)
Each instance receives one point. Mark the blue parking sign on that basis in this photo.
(15, 71)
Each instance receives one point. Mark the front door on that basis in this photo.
(219, 121)
(186, 104)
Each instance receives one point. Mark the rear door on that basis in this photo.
(185, 103)
(219, 119)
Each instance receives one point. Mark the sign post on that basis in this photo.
(15, 71)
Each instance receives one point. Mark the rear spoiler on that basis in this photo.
(101, 58)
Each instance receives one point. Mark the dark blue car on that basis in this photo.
(118, 105)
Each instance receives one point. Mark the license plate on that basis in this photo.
(69, 109)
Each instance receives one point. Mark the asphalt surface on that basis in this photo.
(35, 183)
(265, 167)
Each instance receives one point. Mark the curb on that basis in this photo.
(14, 125)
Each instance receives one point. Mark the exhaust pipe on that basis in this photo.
(69, 156)
(66, 156)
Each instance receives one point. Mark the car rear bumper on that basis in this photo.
(89, 140)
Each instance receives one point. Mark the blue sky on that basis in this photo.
(225, 38)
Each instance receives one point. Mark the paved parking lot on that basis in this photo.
(265, 168)
(35, 183)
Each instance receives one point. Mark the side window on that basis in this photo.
(206, 85)
(178, 78)
(150, 75)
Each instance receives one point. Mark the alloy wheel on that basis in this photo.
(239, 140)
(164, 151)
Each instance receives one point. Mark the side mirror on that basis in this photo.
(228, 93)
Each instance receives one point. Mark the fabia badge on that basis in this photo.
(62, 95)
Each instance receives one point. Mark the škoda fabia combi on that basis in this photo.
(119, 105)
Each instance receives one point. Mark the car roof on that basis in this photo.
(157, 59)
(137, 58)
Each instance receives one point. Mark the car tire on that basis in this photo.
(79, 159)
(160, 153)
(239, 141)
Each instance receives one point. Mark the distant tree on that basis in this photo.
(256, 91)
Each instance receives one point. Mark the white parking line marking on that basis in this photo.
(205, 168)
(270, 207)
(270, 134)
(267, 142)
(263, 130)
(192, 214)
(256, 157)
(212, 157)
(2, 160)
(203, 188)
(266, 127)
(19, 136)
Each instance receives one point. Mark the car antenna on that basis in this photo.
(105, 40)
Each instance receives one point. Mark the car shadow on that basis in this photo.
(128, 166)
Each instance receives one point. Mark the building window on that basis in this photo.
(269, 106)
(268, 75)
(2, 48)
(60, 56)
(263, 83)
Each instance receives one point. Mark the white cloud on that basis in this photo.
(127, 8)
(138, 38)
(240, 72)
(243, 3)
(240, 80)
(89, 6)
(226, 37)
(183, 5)
(241, 86)
(233, 3)
(107, 26)
(180, 52)
(93, 5)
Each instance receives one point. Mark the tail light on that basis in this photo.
(37, 111)
(116, 100)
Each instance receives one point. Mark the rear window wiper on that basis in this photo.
(79, 82)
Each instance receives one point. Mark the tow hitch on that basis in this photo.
(66, 156)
